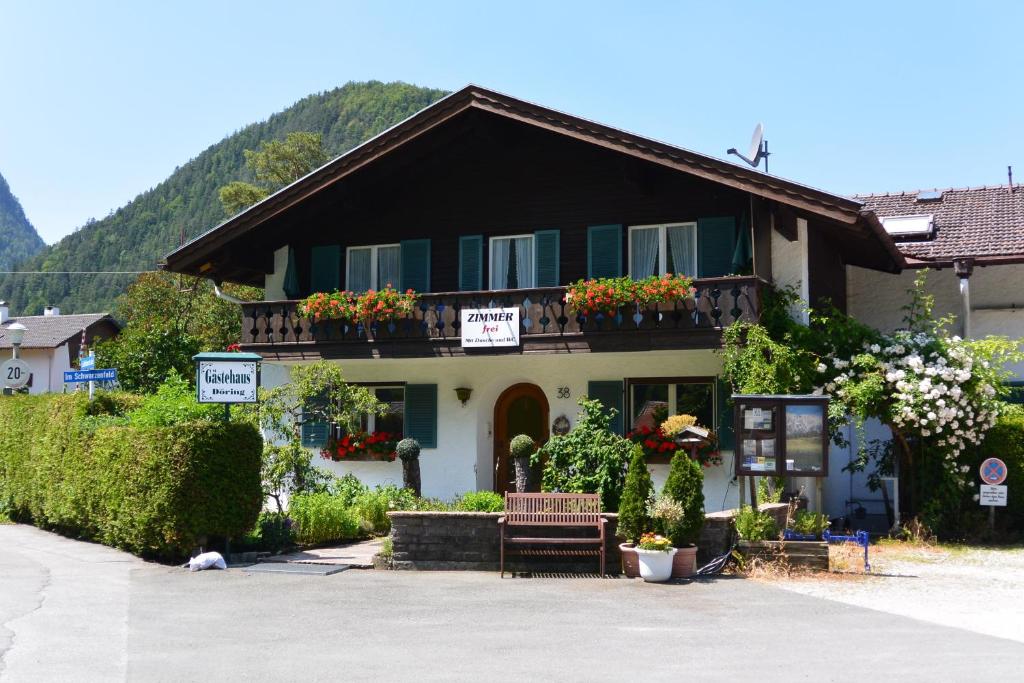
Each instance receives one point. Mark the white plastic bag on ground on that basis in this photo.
(207, 561)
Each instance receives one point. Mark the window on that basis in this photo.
(653, 400)
(394, 420)
(372, 267)
(661, 249)
(512, 262)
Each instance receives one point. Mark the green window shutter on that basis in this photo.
(415, 265)
(604, 251)
(421, 413)
(314, 434)
(716, 244)
(725, 409)
(326, 265)
(471, 263)
(609, 393)
(546, 247)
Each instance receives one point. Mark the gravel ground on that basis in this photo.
(977, 589)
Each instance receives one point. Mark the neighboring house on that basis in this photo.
(486, 201)
(53, 341)
(973, 241)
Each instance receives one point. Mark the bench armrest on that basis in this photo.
(603, 521)
(501, 520)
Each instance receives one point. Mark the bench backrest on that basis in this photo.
(553, 509)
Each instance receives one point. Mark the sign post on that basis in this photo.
(227, 377)
(104, 375)
(992, 493)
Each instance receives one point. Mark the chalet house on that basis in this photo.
(484, 201)
(53, 342)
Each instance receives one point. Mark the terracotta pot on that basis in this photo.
(655, 565)
(630, 562)
(684, 564)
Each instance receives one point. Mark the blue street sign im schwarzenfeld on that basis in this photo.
(106, 375)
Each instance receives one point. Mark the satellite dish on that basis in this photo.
(758, 149)
(755, 142)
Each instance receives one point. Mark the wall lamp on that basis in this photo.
(463, 394)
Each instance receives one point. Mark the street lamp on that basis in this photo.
(16, 333)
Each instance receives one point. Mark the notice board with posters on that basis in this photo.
(782, 435)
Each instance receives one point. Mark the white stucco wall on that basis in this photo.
(789, 264)
(464, 459)
(47, 367)
(274, 282)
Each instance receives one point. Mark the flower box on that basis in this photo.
(806, 554)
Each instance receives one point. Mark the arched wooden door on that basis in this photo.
(521, 409)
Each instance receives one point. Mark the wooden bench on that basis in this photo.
(569, 510)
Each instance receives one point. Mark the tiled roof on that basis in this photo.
(50, 331)
(982, 222)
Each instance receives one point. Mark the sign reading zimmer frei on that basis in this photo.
(227, 377)
(489, 327)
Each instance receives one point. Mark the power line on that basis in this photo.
(76, 272)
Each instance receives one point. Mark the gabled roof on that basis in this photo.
(983, 223)
(50, 331)
(191, 255)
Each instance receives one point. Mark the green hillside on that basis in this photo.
(138, 234)
(18, 239)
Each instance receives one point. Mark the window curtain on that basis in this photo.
(388, 266)
(500, 252)
(359, 278)
(643, 253)
(682, 244)
(291, 277)
(524, 261)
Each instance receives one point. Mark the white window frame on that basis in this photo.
(373, 263)
(490, 257)
(662, 244)
(371, 418)
(673, 400)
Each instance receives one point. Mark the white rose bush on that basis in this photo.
(938, 394)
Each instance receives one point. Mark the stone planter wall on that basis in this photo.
(469, 541)
(806, 554)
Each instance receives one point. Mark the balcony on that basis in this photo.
(276, 330)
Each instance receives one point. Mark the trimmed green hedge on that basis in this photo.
(79, 469)
(1006, 441)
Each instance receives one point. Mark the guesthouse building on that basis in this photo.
(488, 207)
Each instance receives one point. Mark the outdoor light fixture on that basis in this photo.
(16, 333)
(463, 394)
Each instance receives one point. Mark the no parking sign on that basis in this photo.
(993, 471)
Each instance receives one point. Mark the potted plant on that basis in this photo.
(806, 526)
(634, 518)
(685, 486)
(409, 451)
(655, 554)
(520, 449)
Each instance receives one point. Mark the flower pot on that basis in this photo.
(655, 565)
(630, 563)
(684, 564)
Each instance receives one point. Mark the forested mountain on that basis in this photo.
(138, 234)
(18, 239)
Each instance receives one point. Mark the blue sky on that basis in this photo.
(100, 101)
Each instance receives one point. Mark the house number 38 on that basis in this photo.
(563, 392)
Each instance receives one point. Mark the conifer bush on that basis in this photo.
(685, 485)
(634, 517)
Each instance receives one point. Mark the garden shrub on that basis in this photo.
(480, 501)
(372, 507)
(755, 525)
(173, 403)
(589, 459)
(809, 523)
(273, 533)
(634, 517)
(1005, 441)
(322, 518)
(154, 491)
(685, 485)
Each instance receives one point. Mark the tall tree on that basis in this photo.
(276, 164)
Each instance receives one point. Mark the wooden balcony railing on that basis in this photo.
(718, 302)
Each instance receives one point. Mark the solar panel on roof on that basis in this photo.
(929, 196)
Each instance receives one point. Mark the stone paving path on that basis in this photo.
(356, 555)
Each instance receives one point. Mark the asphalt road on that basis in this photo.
(77, 611)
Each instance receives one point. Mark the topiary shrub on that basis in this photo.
(634, 516)
(685, 485)
(409, 451)
(520, 449)
(154, 491)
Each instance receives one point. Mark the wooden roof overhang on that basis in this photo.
(218, 253)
